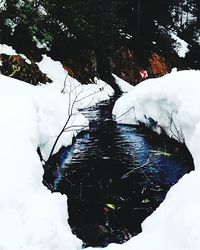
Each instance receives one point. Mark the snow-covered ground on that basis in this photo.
(5, 49)
(83, 95)
(31, 216)
(35, 219)
(74, 94)
(172, 101)
(32, 116)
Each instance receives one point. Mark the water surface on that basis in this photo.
(107, 198)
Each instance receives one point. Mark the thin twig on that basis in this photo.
(64, 176)
(126, 112)
(178, 134)
(63, 90)
(75, 126)
(143, 165)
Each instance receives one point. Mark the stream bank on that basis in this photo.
(107, 198)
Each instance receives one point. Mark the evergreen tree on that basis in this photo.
(74, 31)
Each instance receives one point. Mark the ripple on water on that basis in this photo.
(103, 206)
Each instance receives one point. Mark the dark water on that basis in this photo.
(107, 199)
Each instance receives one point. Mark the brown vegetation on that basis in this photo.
(17, 67)
(158, 65)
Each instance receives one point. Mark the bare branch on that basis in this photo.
(72, 102)
(92, 93)
(75, 126)
(58, 137)
(65, 81)
(72, 89)
(64, 175)
(127, 112)
(176, 133)
(143, 165)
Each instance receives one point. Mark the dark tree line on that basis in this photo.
(76, 32)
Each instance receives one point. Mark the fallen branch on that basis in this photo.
(134, 169)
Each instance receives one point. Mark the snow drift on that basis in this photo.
(171, 102)
(83, 95)
(32, 116)
(31, 217)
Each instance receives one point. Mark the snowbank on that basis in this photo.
(32, 116)
(83, 95)
(31, 216)
(172, 101)
(123, 85)
(35, 219)
(5, 49)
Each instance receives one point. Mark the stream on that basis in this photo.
(115, 176)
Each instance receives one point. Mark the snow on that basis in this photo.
(84, 95)
(5, 49)
(31, 216)
(175, 224)
(34, 218)
(124, 34)
(2, 4)
(32, 116)
(41, 44)
(123, 85)
(181, 45)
